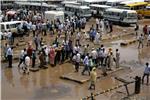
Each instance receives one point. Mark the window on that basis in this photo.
(12, 26)
(7, 26)
(2, 28)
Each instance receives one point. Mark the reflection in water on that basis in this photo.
(139, 56)
(43, 78)
(24, 81)
(9, 76)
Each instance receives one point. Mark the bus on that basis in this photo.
(146, 12)
(78, 10)
(89, 2)
(137, 6)
(129, 2)
(121, 16)
(35, 5)
(98, 10)
(114, 3)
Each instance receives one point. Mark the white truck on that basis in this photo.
(53, 15)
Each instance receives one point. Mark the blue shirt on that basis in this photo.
(86, 61)
(147, 70)
(9, 51)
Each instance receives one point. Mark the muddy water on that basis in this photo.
(46, 84)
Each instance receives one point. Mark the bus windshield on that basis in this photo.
(132, 15)
(86, 11)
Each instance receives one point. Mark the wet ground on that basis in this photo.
(47, 85)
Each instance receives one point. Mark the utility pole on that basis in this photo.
(41, 8)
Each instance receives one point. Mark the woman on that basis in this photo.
(52, 56)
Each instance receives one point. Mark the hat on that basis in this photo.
(94, 69)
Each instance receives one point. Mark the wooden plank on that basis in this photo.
(35, 69)
(79, 78)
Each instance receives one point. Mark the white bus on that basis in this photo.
(98, 10)
(122, 4)
(36, 5)
(114, 2)
(121, 16)
(78, 10)
(89, 2)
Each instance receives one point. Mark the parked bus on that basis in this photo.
(89, 2)
(98, 10)
(114, 3)
(137, 6)
(146, 12)
(122, 16)
(35, 5)
(78, 10)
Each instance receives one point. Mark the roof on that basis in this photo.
(116, 0)
(35, 4)
(137, 3)
(148, 6)
(77, 6)
(55, 12)
(12, 22)
(90, 1)
(120, 10)
(131, 1)
(101, 6)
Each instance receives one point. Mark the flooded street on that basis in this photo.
(47, 84)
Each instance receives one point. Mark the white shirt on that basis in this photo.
(97, 21)
(148, 38)
(74, 49)
(34, 27)
(94, 54)
(86, 60)
(9, 34)
(9, 51)
(78, 57)
(27, 60)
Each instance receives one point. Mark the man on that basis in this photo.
(110, 59)
(136, 29)
(148, 40)
(93, 77)
(22, 57)
(94, 56)
(9, 56)
(117, 58)
(9, 37)
(33, 58)
(97, 23)
(146, 73)
(27, 64)
(141, 40)
(33, 29)
(86, 64)
(5, 48)
(41, 58)
(77, 62)
(145, 30)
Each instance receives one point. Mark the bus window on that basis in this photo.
(7, 26)
(2, 28)
(13, 25)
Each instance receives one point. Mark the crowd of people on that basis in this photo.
(69, 48)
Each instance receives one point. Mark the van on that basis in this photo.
(12, 26)
(121, 16)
